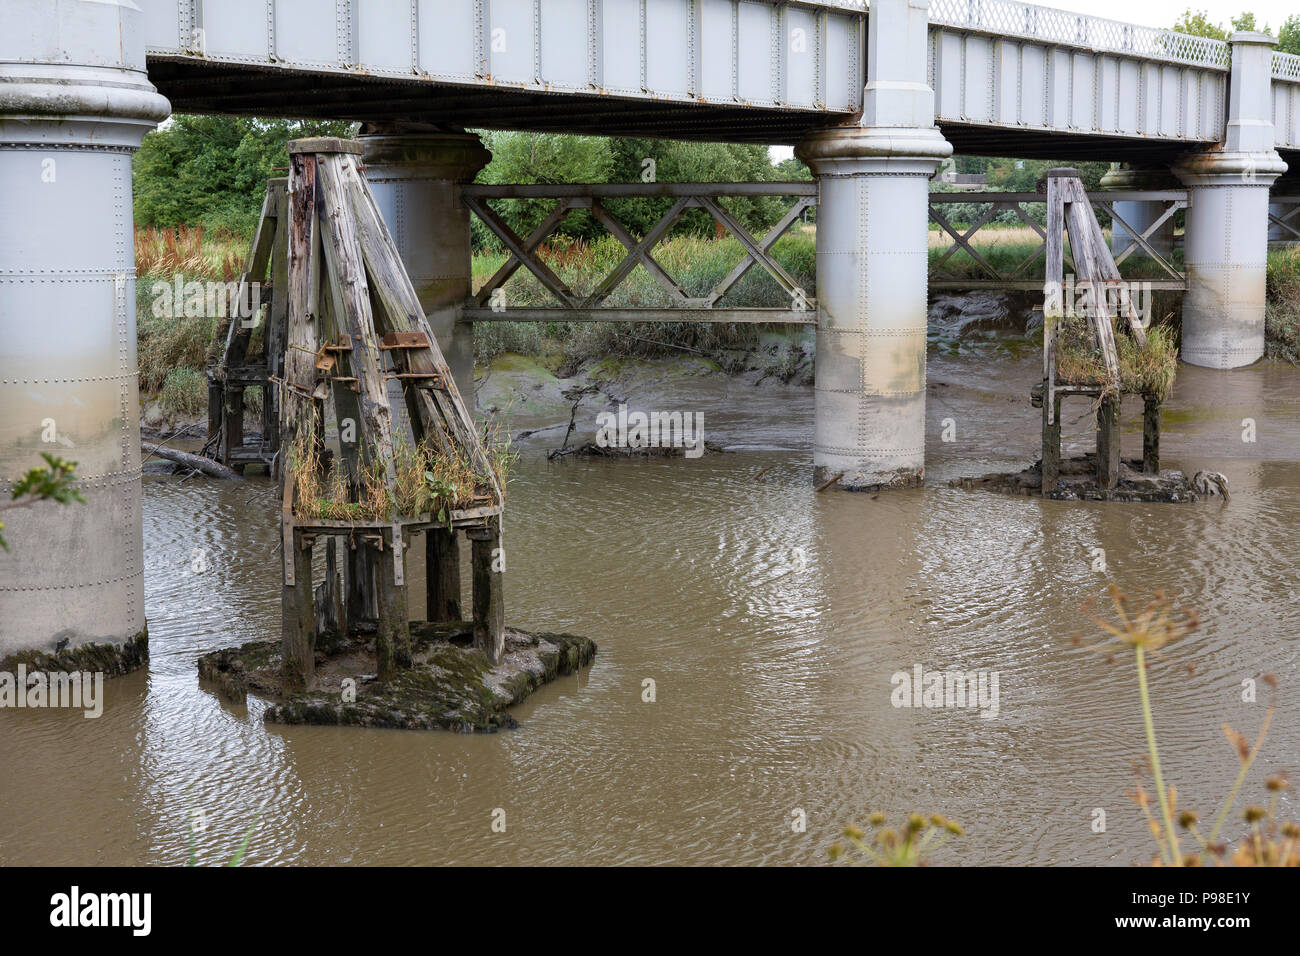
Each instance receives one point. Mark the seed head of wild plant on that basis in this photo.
(1268, 842)
(895, 847)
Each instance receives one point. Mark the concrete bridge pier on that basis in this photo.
(415, 172)
(873, 263)
(75, 103)
(1226, 244)
(1140, 215)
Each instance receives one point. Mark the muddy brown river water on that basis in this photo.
(773, 689)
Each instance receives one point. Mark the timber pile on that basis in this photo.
(1088, 353)
(1070, 213)
(353, 324)
(261, 302)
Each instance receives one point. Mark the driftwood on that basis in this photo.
(207, 466)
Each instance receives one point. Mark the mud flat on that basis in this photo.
(450, 684)
(1078, 482)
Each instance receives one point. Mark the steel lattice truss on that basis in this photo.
(488, 304)
(1014, 278)
(1287, 218)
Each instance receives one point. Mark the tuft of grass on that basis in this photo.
(1282, 306)
(1145, 371)
(189, 251)
(184, 392)
(902, 847)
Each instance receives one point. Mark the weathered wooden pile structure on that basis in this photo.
(232, 367)
(1069, 212)
(353, 325)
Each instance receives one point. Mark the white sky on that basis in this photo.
(1156, 13)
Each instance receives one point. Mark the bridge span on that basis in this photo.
(874, 99)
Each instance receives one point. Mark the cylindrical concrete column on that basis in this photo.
(415, 174)
(74, 105)
(1140, 215)
(872, 276)
(873, 262)
(1226, 244)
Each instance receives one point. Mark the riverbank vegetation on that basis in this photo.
(1282, 308)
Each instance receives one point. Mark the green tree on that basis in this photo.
(1288, 35)
(1197, 23)
(212, 170)
(1247, 22)
(549, 158)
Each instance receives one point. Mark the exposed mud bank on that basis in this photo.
(450, 686)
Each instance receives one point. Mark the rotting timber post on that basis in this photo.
(355, 334)
(231, 367)
(1069, 212)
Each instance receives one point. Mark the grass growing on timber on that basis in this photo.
(1146, 371)
(425, 481)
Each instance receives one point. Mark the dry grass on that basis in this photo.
(989, 236)
(425, 481)
(1144, 371)
(189, 251)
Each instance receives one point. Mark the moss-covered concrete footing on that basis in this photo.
(1078, 482)
(451, 685)
(109, 659)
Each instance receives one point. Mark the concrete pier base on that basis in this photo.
(1226, 246)
(75, 103)
(415, 173)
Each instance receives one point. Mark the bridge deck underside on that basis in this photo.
(195, 86)
(198, 87)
